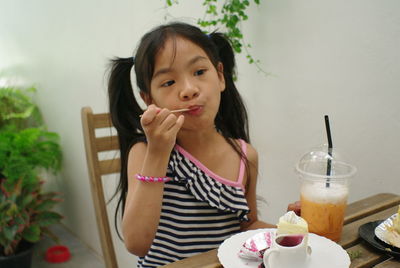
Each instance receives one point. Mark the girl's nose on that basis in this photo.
(189, 91)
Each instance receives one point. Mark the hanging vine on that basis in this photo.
(229, 17)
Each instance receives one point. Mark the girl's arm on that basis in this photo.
(144, 199)
(251, 195)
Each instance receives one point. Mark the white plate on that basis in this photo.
(325, 253)
(381, 229)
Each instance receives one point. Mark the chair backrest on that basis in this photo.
(97, 168)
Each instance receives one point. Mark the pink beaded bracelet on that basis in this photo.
(152, 179)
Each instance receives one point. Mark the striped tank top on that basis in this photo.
(199, 210)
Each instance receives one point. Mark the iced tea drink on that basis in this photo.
(323, 208)
(324, 190)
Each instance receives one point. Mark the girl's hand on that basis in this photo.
(295, 207)
(161, 127)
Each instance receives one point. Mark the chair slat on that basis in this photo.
(102, 120)
(110, 166)
(109, 143)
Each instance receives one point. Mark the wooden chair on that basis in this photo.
(98, 168)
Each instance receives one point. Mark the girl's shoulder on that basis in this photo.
(252, 153)
(248, 149)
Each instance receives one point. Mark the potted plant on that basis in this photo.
(26, 148)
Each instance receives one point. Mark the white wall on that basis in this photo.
(325, 57)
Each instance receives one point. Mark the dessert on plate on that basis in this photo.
(254, 247)
(393, 231)
(290, 223)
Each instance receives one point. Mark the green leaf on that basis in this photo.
(26, 200)
(47, 204)
(47, 218)
(19, 220)
(10, 232)
(12, 210)
(354, 254)
(31, 233)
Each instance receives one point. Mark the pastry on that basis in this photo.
(393, 232)
(290, 223)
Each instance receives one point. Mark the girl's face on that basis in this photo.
(184, 77)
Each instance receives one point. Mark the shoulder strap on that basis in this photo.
(242, 161)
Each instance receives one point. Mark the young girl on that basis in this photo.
(189, 174)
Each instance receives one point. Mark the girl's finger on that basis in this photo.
(168, 122)
(177, 126)
(149, 115)
(295, 207)
(161, 116)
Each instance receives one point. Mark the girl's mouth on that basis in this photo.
(195, 110)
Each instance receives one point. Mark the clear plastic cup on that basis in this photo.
(324, 190)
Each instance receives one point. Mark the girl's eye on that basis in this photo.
(168, 83)
(200, 72)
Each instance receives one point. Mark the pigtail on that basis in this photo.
(232, 119)
(124, 108)
(124, 111)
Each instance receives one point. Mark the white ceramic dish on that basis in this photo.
(325, 253)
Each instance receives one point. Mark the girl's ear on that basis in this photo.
(146, 98)
(221, 78)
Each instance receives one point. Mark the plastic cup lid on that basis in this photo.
(314, 164)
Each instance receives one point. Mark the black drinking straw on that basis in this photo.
(328, 133)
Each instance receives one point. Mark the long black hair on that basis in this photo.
(231, 120)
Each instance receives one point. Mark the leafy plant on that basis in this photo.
(23, 152)
(25, 210)
(227, 16)
(26, 213)
(18, 109)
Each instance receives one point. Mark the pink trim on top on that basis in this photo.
(242, 162)
(237, 183)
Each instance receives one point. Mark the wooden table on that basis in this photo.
(376, 207)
